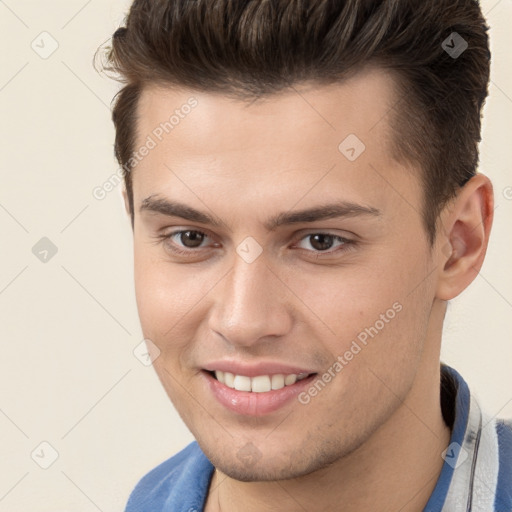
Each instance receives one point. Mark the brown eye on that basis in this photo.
(328, 243)
(191, 239)
(321, 242)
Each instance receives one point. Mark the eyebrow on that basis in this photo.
(334, 210)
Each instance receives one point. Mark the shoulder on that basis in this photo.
(180, 481)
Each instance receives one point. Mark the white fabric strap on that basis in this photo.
(487, 467)
(475, 475)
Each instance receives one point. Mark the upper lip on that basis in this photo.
(255, 369)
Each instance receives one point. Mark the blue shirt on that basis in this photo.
(476, 475)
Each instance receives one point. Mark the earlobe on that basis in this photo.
(463, 243)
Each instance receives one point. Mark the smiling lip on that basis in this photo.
(249, 403)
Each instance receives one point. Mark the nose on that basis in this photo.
(251, 305)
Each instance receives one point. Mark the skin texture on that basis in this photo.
(372, 438)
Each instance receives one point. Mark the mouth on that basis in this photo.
(256, 395)
(258, 383)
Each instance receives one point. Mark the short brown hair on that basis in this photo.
(251, 48)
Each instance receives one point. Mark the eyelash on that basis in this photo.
(346, 244)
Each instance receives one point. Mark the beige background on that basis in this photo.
(68, 375)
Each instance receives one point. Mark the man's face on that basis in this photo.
(306, 254)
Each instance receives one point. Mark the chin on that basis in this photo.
(261, 472)
(248, 464)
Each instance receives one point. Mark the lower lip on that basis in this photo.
(255, 404)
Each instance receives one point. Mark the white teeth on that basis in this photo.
(229, 379)
(277, 381)
(242, 383)
(290, 379)
(259, 384)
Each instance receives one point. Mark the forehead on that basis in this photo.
(359, 105)
(274, 148)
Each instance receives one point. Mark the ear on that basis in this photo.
(126, 201)
(464, 235)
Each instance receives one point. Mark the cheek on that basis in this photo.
(158, 293)
(382, 307)
(170, 298)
